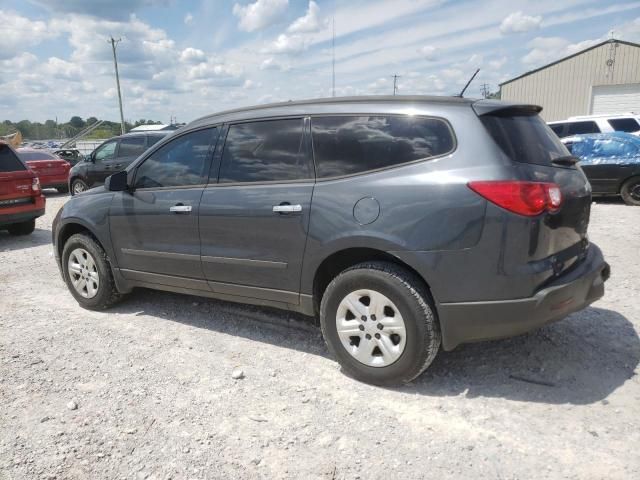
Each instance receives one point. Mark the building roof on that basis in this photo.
(613, 40)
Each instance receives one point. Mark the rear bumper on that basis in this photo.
(20, 217)
(474, 321)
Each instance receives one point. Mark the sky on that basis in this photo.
(189, 58)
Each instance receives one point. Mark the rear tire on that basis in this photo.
(23, 228)
(400, 303)
(630, 191)
(78, 186)
(98, 292)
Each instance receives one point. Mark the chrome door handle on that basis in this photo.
(287, 208)
(180, 209)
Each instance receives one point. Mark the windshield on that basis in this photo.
(525, 138)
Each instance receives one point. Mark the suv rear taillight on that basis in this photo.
(524, 198)
(35, 185)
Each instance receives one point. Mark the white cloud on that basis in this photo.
(544, 50)
(188, 19)
(260, 14)
(291, 44)
(518, 22)
(59, 68)
(271, 64)
(429, 53)
(548, 49)
(20, 33)
(192, 55)
(308, 23)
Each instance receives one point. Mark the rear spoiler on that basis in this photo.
(499, 108)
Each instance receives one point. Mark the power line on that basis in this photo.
(395, 83)
(114, 42)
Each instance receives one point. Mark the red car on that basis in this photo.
(21, 198)
(52, 171)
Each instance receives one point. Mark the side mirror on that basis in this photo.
(117, 182)
(91, 158)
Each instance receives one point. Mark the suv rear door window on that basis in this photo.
(346, 145)
(524, 137)
(576, 128)
(628, 125)
(265, 151)
(181, 162)
(132, 146)
(8, 160)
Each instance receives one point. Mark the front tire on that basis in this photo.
(78, 186)
(22, 228)
(87, 273)
(630, 192)
(379, 322)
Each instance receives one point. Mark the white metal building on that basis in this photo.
(602, 79)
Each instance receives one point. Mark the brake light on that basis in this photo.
(35, 184)
(524, 198)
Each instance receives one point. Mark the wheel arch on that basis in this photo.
(340, 260)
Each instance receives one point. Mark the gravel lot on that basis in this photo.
(146, 390)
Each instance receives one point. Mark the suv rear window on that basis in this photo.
(525, 138)
(578, 128)
(8, 160)
(628, 125)
(346, 145)
(33, 156)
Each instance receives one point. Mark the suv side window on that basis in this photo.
(131, 146)
(181, 162)
(106, 151)
(345, 145)
(266, 151)
(629, 125)
(576, 128)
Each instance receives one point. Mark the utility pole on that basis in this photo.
(333, 59)
(114, 42)
(485, 90)
(395, 83)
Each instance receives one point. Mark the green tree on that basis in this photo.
(76, 122)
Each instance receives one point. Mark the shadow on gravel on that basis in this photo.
(53, 193)
(9, 243)
(261, 324)
(579, 360)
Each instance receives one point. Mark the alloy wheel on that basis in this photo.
(83, 273)
(371, 328)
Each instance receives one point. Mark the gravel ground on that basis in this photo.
(147, 389)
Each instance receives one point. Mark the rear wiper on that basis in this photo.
(566, 161)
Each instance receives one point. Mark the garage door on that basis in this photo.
(616, 98)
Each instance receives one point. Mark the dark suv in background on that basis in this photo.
(112, 156)
(403, 223)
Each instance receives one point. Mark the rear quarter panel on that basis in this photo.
(424, 206)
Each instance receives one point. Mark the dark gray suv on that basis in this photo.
(403, 223)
